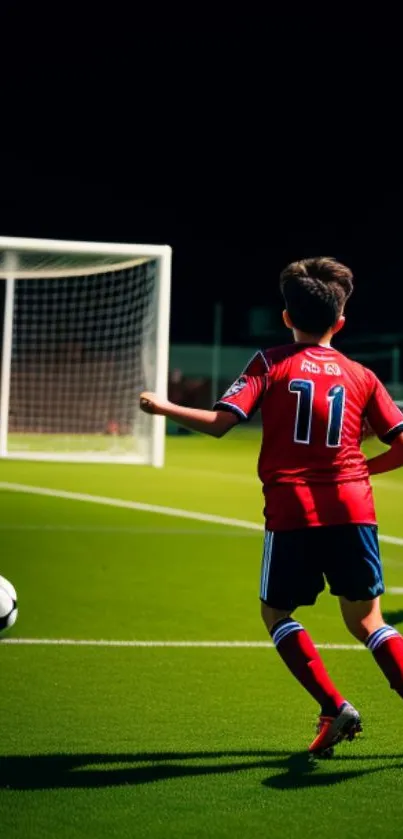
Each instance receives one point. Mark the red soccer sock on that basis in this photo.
(305, 663)
(386, 645)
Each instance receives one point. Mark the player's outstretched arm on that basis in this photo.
(216, 423)
(389, 460)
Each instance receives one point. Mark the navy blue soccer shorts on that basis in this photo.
(296, 564)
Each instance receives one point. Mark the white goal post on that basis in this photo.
(85, 330)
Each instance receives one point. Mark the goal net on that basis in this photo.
(85, 330)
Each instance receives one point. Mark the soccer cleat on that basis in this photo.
(331, 730)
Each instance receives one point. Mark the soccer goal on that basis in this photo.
(85, 330)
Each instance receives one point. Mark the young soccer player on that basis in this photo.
(319, 511)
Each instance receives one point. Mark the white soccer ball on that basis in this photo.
(8, 604)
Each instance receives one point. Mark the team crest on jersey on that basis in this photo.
(332, 369)
(235, 388)
(310, 367)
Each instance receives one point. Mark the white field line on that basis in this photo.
(72, 642)
(390, 540)
(169, 511)
(152, 508)
(133, 505)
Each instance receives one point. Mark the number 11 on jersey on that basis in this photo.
(305, 392)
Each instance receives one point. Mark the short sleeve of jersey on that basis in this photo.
(245, 394)
(382, 413)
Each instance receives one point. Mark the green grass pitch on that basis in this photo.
(163, 742)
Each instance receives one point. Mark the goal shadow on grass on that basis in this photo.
(86, 771)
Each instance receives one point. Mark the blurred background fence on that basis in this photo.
(200, 373)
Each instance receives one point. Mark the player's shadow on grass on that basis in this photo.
(302, 772)
(81, 771)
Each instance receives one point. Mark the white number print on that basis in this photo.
(305, 392)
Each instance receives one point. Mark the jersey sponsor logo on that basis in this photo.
(235, 388)
(310, 367)
(332, 369)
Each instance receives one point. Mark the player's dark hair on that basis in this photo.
(315, 292)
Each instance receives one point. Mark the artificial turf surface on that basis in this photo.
(168, 742)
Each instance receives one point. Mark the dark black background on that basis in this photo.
(244, 142)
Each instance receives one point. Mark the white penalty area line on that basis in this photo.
(152, 508)
(133, 505)
(73, 642)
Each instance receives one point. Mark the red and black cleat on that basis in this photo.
(332, 730)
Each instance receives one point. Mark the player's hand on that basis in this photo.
(150, 403)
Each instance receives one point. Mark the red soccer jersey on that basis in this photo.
(314, 402)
